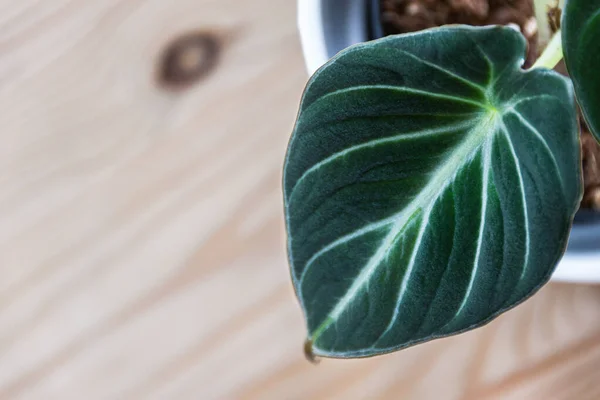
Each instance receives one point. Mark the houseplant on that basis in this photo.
(327, 27)
(431, 183)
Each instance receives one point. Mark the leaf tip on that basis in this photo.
(309, 353)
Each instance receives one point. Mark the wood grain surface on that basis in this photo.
(142, 250)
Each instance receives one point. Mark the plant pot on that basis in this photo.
(328, 26)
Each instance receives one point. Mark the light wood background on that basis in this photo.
(141, 234)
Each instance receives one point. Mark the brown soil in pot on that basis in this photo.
(590, 157)
(591, 170)
(402, 16)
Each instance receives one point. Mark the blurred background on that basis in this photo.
(142, 250)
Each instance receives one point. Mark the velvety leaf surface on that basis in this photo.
(429, 185)
(581, 49)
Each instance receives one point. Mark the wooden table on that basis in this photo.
(141, 233)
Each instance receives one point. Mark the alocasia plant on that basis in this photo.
(430, 183)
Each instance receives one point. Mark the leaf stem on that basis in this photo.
(308, 352)
(552, 54)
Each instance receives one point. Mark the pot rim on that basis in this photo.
(312, 35)
(575, 267)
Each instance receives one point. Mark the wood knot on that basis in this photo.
(188, 58)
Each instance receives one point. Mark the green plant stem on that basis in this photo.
(552, 53)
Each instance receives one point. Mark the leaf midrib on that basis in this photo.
(424, 202)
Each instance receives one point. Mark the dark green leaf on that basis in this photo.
(581, 49)
(430, 184)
